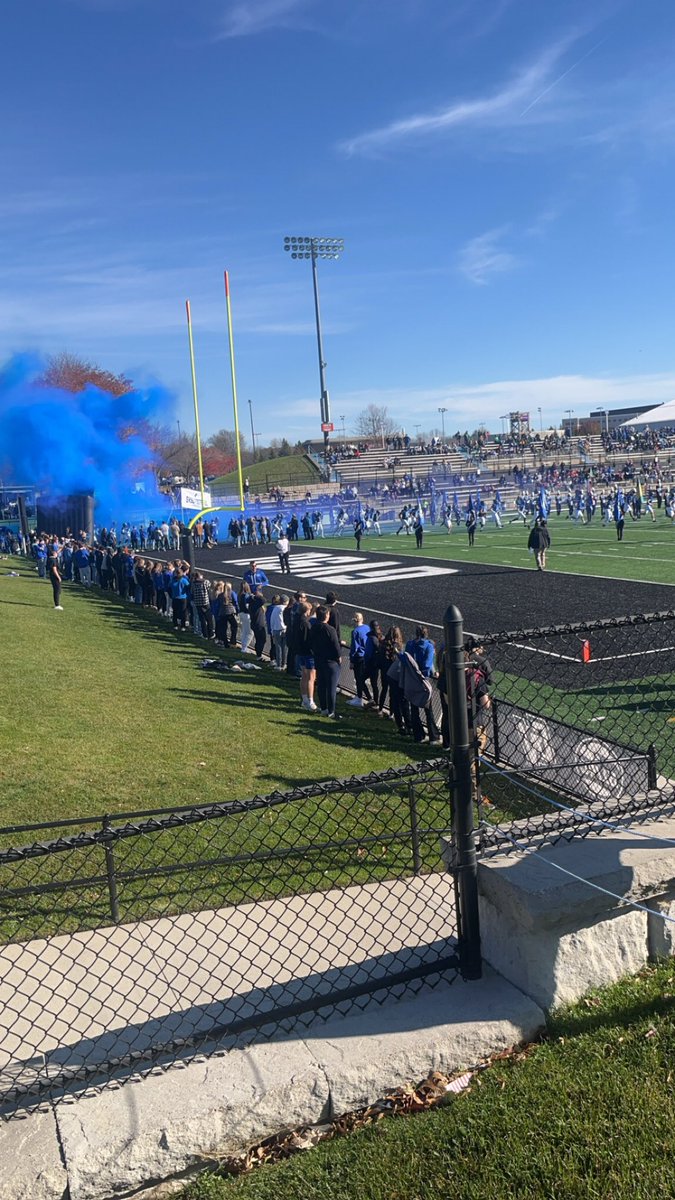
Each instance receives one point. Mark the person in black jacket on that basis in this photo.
(539, 541)
(256, 611)
(326, 650)
(334, 615)
(304, 656)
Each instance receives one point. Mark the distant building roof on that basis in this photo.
(630, 410)
(662, 414)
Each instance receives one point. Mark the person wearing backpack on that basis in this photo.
(391, 653)
(422, 652)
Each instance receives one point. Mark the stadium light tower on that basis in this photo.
(314, 248)
(443, 411)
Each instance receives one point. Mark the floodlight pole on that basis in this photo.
(325, 401)
(316, 248)
(443, 411)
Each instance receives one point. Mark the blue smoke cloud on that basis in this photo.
(64, 442)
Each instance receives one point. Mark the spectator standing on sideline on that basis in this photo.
(201, 595)
(334, 615)
(226, 624)
(357, 654)
(326, 652)
(254, 577)
(55, 580)
(419, 530)
(278, 632)
(421, 649)
(371, 658)
(358, 532)
(256, 610)
(40, 552)
(244, 605)
(180, 590)
(283, 550)
(391, 651)
(304, 657)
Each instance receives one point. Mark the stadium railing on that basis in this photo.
(133, 942)
(580, 733)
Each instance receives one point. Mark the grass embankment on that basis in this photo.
(588, 1115)
(103, 708)
(289, 471)
(647, 553)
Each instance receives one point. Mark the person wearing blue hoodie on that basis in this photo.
(40, 554)
(180, 590)
(357, 660)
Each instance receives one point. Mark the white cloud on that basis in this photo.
(503, 108)
(248, 17)
(482, 257)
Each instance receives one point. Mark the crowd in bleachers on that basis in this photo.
(626, 440)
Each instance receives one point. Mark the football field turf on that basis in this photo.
(646, 554)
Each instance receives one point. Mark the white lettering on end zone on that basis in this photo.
(346, 568)
(378, 576)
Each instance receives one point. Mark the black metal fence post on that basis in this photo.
(110, 872)
(466, 871)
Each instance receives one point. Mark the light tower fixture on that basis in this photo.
(312, 249)
(443, 411)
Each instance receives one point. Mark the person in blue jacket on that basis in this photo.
(255, 578)
(180, 590)
(40, 553)
(422, 650)
(357, 659)
(83, 564)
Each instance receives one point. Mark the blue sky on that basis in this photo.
(502, 172)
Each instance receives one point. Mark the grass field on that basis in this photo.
(103, 708)
(290, 470)
(588, 1115)
(647, 552)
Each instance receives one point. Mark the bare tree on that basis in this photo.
(74, 374)
(375, 422)
(179, 457)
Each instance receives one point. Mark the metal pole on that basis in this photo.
(233, 373)
(325, 403)
(196, 401)
(466, 871)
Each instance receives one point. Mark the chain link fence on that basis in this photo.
(579, 731)
(129, 944)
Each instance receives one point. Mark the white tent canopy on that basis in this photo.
(656, 418)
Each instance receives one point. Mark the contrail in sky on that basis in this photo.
(561, 77)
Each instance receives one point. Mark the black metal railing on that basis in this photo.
(131, 942)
